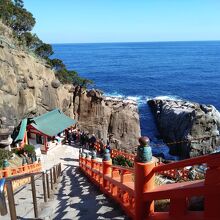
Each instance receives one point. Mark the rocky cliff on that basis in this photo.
(28, 87)
(195, 126)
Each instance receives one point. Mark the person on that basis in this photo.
(108, 146)
(74, 135)
(69, 137)
(101, 144)
(92, 141)
(87, 140)
(82, 139)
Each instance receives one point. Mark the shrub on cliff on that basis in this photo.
(56, 64)
(15, 16)
(71, 76)
(30, 40)
(44, 51)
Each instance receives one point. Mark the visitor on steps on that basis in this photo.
(92, 141)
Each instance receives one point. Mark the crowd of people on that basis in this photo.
(86, 140)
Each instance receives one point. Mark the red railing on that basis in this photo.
(135, 189)
(181, 173)
(116, 181)
(28, 168)
(115, 153)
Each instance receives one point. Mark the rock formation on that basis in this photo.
(28, 87)
(197, 126)
(106, 117)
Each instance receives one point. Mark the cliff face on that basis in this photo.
(28, 87)
(197, 126)
(103, 117)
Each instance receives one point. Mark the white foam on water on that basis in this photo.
(128, 99)
(165, 97)
(140, 100)
(114, 95)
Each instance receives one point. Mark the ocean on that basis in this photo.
(141, 71)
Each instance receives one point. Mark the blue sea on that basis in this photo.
(141, 71)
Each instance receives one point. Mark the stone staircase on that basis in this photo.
(74, 196)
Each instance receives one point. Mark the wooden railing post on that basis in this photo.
(51, 178)
(11, 201)
(48, 185)
(144, 179)
(34, 196)
(60, 169)
(54, 174)
(44, 186)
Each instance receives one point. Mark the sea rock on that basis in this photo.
(107, 118)
(29, 88)
(196, 127)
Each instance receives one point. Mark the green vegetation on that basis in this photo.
(29, 149)
(4, 154)
(14, 15)
(122, 161)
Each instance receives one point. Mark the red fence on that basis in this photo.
(135, 189)
(181, 173)
(28, 168)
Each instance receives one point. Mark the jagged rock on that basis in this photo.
(8, 83)
(29, 88)
(108, 117)
(95, 95)
(197, 126)
(27, 103)
(55, 83)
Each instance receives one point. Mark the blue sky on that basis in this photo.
(82, 21)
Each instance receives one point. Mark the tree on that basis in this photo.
(30, 40)
(66, 76)
(44, 51)
(57, 64)
(19, 3)
(13, 14)
(6, 11)
(82, 82)
(22, 21)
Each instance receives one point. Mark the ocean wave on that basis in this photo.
(117, 96)
(114, 95)
(140, 100)
(165, 97)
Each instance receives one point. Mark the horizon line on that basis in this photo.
(126, 42)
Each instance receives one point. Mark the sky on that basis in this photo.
(95, 21)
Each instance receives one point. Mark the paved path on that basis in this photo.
(75, 197)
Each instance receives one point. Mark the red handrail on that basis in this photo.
(30, 168)
(115, 181)
(135, 189)
(211, 159)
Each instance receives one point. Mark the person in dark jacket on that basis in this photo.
(92, 141)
